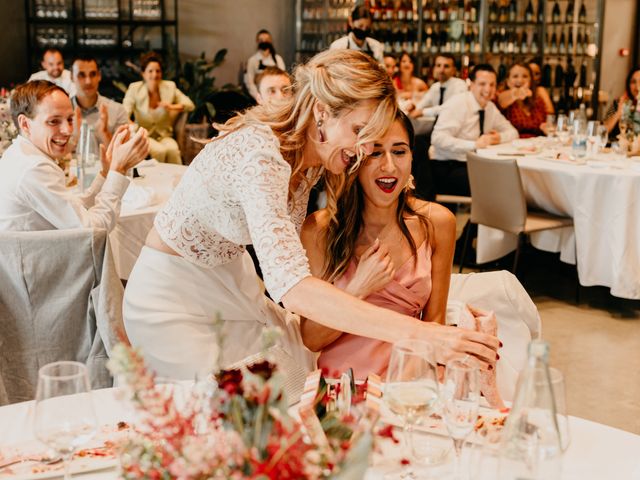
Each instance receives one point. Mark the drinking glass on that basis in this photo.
(411, 389)
(551, 126)
(64, 414)
(460, 396)
(559, 393)
(592, 138)
(603, 134)
(562, 129)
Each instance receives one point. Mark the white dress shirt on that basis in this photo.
(33, 195)
(63, 81)
(371, 46)
(458, 127)
(430, 101)
(253, 69)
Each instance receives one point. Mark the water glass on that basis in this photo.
(551, 126)
(65, 417)
(559, 393)
(593, 138)
(603, 134)
(411, 389)
(562, 129)
(460, 396)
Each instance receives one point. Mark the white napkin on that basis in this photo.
(138, 196)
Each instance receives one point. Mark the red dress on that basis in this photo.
(527, 123)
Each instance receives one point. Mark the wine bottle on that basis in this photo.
(493, 11)
(541, 5)
(443, 12)
(474, 9)
(570, 43)
(582, 15)
(503, 15)
(583, 74)
(569, 12)
(409, 10)
(524, 42)
(555, 13)
(562, 47)
(534, 44)
(503, 40)
(513, 12)
(553, 48)
(495, 41)
(579, 43)
(528, 13)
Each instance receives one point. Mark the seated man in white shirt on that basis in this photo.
(273, 84)
(446, 87)
(266, 56)
(467, 122)
(53, 70)
(33, 194)
(103, 114)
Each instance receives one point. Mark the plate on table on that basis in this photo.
(101, 453)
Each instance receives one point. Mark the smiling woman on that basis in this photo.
(386, 247)
(195, 266)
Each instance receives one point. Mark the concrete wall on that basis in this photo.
(13, 46)
(619, 24)
(209, 25)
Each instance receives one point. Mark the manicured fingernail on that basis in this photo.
(501, 344)
(490, 367)
(497, 356)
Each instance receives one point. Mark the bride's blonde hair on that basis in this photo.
(339, 79)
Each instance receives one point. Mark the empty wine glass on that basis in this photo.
(551, 126)
(460, 396)
(411, 389)
(64, 415)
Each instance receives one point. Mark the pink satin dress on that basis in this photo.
(407, 293)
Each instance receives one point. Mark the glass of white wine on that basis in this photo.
(65, 417)
(460, 396)
(411, 389)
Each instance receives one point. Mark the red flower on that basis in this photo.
(263, 369)
(230, 381)
(387, 432)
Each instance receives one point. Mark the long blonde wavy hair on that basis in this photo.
(339, 79)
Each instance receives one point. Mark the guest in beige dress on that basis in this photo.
(156, 104)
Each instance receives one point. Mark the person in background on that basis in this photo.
(386, 247)
(521, 104)
(156, 104)
(623, 105)
(390, 64)
(53, 70)
(33, 193)
(407, 85)
(266, 56)
(358, 38)
(536, 76)
(467, 122)
(273, 84)
(447, 85)
(102, 113)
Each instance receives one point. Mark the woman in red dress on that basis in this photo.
(521, 104)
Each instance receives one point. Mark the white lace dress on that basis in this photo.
(233, 194)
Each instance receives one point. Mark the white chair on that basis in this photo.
(517, 316)
(61, 299)
(499, 202)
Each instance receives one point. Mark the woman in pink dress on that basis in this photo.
(385, 246)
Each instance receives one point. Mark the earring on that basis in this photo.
(319, 124)
(410, 184)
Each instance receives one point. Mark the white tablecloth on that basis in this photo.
(128, 238)
(604, 202)
(596, 451)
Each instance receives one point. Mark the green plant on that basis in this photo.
(194, 79)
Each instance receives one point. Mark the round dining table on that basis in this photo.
(595, 452)
(602, 196)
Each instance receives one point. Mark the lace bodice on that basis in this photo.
(233, 194)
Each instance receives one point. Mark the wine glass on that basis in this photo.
(64, 415)
(551, 126)
(592, 138)
(603, 134)
(562, 129)
(411, 389)
(460, 396)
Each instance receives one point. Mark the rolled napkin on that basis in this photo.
(137, 197)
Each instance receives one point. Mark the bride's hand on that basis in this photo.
(375, 269)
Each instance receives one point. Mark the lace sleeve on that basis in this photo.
(263, 196)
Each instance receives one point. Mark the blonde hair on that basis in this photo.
(339, 79)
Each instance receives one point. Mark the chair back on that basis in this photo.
(61, 299)
(497, 192)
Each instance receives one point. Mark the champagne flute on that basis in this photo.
(411, 389)
(64, 414)
(460, 396)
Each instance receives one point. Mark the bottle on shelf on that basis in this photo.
(493, 11)
(555, 12)
(531, 442)
(580, 43)
(534, 44)
(562, 43)
(528, 12)
(569, 12)
(553, 42)
(582, 14)
(503, 14)
(512, 13)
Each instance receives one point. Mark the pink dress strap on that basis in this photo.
(407, 293)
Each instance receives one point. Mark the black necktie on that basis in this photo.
(481, 115)
(442, 89)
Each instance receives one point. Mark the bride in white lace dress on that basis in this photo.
(250, 186)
